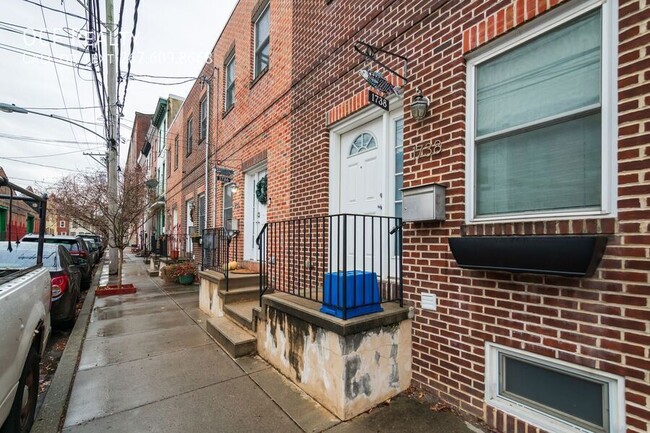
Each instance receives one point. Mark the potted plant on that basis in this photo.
(185, 272)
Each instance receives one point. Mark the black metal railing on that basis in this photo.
(346, 262)
(219, 250)
(174, 246)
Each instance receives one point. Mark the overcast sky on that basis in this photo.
(173, 38)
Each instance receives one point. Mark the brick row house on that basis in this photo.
(501, 193)
(16, 217)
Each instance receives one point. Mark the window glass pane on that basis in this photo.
(557, 167)
(262, 28)
(227, 205)
(399, 182)
(566, 394)
(552, 74)
(398, 210)
(230, 72)
(362, 143)
(262, 59)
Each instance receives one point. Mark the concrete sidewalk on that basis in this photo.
(148, 365)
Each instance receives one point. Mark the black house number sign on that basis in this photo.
(379, 101)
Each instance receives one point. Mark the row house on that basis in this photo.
(16, 217)
(480, 168)
(135, 161)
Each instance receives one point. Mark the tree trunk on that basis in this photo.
(120, 259)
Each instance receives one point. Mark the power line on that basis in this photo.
(162, 77)
(39, 31)
(32, 180)
(74, 74)
(36, 164)
(45, 156)
(56, 71)
(52, 142)
(55, 10)
(63, 108)
(40, 38)
(128, 67)
(163, 84)
(39, 56)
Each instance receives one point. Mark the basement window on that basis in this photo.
(552, 394)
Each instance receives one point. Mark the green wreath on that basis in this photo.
(260, 191)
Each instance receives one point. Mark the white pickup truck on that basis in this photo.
(24, 327)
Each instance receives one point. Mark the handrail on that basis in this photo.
(258, 242)
(259, 236)
(323, 258)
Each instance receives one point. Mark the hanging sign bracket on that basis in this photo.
(370, 53)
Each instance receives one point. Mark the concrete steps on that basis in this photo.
(235, 331)
(242, 313)
(233, 338)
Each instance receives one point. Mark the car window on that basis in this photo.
(69, 244)
(23, 256)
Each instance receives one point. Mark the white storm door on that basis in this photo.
(190, 224)
(362, 193)
(254, 215)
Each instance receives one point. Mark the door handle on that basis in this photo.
(379, 206)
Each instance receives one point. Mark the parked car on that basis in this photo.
(94, 246)
(98, 240)
(77, 249)
(93, 253)
(65, 276)
(25, 328)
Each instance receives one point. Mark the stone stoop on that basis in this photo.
(233, 338)
(236, 312)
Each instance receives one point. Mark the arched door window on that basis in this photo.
(362, 143)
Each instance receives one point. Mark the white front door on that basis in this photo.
(254, 214)
(362, 192)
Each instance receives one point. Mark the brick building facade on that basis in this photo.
(22, 220)
(497, 344)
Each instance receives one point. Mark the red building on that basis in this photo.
(16, 218)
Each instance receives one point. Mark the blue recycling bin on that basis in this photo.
(362, 294)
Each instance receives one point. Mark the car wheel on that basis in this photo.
(21, 416)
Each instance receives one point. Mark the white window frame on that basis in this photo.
(62, 224)
(188, 136)
(229, 88)
(231, 207)
(616, 394)
(262, 44)
(609, 112)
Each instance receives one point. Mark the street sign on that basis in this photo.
(379, 101)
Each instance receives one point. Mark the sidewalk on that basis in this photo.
(148, 365)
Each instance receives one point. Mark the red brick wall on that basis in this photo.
(600, 322)
(258, 121)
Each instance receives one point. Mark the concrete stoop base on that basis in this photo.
(347, 366)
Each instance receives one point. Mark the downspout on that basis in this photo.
(214, 188)
(207, 155)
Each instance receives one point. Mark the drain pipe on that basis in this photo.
(206, 199)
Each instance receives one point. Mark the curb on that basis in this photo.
(49, 419)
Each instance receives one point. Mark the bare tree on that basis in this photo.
(84, 198)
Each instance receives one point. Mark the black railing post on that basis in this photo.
(345, 267)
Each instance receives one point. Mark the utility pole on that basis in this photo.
(111, 79)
